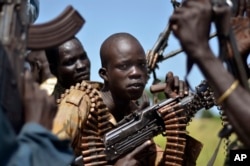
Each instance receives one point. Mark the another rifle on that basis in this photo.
(13, 44)
(56, 31)
(155, 54)
(143, 125)
(13, 30)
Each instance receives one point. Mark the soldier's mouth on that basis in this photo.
(136, 86)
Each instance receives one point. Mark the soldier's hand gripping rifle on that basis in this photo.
(15, 38)
(143, 125)
(226, 36)
(156, 53)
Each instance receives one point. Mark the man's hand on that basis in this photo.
(240, 23)
(130, 159)
(38, 106)
(191, 24)
(175, 87)
(241, 26)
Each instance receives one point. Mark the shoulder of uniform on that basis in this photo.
(75, 94)
(95, 84)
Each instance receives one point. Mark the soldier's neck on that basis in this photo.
(117, 108)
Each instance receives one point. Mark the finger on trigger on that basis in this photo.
(140, 148)
(169, 75)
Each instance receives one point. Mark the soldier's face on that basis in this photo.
(73, 65)
(126, 70)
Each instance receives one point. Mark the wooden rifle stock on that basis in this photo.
(56, 31)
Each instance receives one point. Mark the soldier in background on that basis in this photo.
(70, 64)
(40, 70)
(34, 144)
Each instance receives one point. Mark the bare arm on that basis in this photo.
(194, 41)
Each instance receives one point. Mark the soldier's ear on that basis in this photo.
(103, 73)
(38, 65)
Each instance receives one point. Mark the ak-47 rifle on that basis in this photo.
(16, 35)
(144, 124)
(156, 54)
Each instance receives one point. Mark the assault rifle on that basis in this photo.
(145, 124)
(155, 54)
(16, 35)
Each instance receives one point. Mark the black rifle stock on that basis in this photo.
(143, 125)
(16, 35)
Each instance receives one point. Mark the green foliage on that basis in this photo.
(207, 114)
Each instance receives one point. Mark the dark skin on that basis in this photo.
(175, 87)
(240, 25)
(38, 106)
(130, 159)
(39, 66)
(125, 77)
(195, 43)
(73, 64)
(125, 74)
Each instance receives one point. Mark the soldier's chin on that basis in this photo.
(82, 78)
(135, 96)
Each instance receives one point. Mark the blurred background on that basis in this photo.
(145, 20)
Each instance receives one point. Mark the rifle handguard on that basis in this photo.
(56, 31)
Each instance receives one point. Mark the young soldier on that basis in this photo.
(86, 114)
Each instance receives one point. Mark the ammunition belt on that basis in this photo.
(175, 132)
(94, 127)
